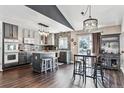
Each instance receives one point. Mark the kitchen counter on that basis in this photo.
(55, 51)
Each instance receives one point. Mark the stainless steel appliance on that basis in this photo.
(10, 52)
(10, 57)
(11, 47)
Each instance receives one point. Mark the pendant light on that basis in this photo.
(90, 24)
(43, 29)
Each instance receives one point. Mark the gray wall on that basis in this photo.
(63, 34)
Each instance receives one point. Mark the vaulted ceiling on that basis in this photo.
(64, 17)
(107, 15)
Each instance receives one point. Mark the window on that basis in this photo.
(63, 43)
(84, 44)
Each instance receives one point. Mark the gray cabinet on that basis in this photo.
(10, 31)
(6, 30)
(22, 58)
(110, 50)
(64, 56)
(29, 55)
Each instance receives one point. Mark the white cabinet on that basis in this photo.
(29, 41)
(31, 36)
(37, 38)
(27, 33)
(50, 39)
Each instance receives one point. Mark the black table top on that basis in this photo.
(87, 55)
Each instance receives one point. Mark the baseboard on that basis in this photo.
(122, 69)
(1, 68)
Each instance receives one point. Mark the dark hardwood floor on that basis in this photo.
(23, 77)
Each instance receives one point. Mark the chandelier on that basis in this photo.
(43, 29)
(90, 24)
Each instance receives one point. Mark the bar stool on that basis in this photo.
(79, 69)
(55, 63)
(46, 64)
(98, 71)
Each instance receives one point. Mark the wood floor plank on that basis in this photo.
(24, 77)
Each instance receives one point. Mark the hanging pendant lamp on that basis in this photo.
(90, 24)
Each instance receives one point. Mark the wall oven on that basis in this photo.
(10, 52)
(10, 47)
(10, 57)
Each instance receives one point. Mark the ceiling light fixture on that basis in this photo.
(43, 29)
(90, 24)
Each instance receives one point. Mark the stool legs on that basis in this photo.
(46, 65)
(96, 68)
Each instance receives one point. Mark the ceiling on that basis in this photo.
(107, 15)
(24, 15)
(52, 12)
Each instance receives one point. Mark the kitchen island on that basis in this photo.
(44, 60)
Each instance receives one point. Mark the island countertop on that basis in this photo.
(41, 51)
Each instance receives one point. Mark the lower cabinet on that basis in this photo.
(24, 58)
(111, 61)
(64, 56)
(29, 55)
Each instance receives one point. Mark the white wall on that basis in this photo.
(122, 46)
(105, 31)
(1, 34)
(111, 30)
(122, 49)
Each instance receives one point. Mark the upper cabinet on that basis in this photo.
(27, 33)
(10, 31)
(15, 32)
(47, 40)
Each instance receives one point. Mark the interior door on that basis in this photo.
(122, 51)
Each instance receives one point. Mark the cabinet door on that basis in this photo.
(28, 33)
(15, 32)
(31, 34)
(63, 57)
(29, 57)
(6, 30)
(10, 32)
(22, 58)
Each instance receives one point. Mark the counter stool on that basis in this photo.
(55, 63)
(46, 64)
(98, 71)
(79, 69)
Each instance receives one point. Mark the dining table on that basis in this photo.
(94, 59)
